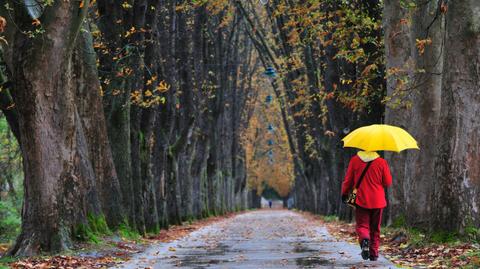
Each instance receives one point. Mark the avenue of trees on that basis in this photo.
(409, 63)
(140, 114)
(126, 113)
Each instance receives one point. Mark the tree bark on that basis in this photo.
(90, 109)
(117, 106)
(57, 169)
(457, 171)
(415, 87)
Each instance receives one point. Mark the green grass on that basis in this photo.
(399, 222)
(10, 221)
(330, 218)
(128, 233)
(93, 230)
(83, 232)
(440, 237)
(4, 261)
(414, 236)
(419, 237)
(7, 259)
(473, 233)
(98, 225)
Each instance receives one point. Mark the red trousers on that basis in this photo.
(368, 227)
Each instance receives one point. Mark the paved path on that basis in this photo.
(254, 240)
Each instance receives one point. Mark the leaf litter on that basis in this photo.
(117, 252)
(397, 248)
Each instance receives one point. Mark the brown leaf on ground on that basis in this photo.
(64, 262)
(123, 250)
(396, 248)
(176, 232)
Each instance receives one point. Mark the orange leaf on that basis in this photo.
(444, 7)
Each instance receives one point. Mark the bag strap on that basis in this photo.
(363, 174)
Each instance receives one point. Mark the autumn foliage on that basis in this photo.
(269, 160)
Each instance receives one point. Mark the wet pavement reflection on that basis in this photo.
(259, 239)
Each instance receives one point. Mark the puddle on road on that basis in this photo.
(203, 259)
(320, 262)
(198, 262)
(303, 248)
(312, 262)
(300, 248)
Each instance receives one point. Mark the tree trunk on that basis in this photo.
(116, 98)
(457, 187)
(58, 172)
(255, 199)
(90, 109)
(414, 84)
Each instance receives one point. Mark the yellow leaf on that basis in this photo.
(179, 8)
(162, 86)
(126, 5)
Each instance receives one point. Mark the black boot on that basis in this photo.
(365, 249)
(373, 258)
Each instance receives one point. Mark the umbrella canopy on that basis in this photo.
(380, 137)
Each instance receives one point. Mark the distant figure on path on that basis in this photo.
(270, 203)
(370, 200)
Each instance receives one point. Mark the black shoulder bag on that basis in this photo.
(352, 196)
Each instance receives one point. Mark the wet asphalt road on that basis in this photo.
(258, 239)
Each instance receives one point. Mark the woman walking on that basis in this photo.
(373, 174)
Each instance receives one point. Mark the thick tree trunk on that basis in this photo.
(117, 99)
(90, 109)
(58, 172)
(414, 84)
(457, 187)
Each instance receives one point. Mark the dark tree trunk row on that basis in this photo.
(183, 153)
(435, 187)
(162, 147)
(132, 113)
(315, 125)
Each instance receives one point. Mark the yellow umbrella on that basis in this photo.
(380, 137)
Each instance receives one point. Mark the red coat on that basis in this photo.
(371, 193)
